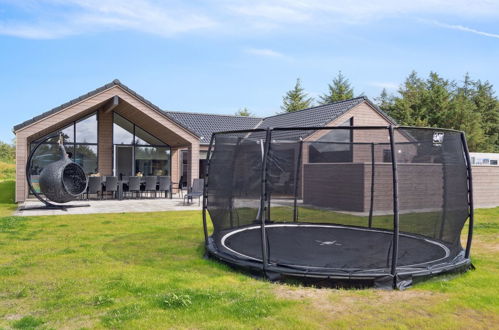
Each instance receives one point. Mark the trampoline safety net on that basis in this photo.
(380, 203)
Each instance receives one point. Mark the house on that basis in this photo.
(112, 130)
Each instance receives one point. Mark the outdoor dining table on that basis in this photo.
(121, 183)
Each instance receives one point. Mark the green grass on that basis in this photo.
(146, 270)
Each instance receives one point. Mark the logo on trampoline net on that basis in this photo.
(335, 243)
(438, 138)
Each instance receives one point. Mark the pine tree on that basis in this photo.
(339, 90)
(384, 100)
(488, 106)
(243, 112)
(296, 99)
(408, 107)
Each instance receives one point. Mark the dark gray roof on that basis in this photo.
(204, 125)
(314, 117)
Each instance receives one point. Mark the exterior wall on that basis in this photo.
(337, 186)
(485, 185)
(347, 187)
(192, 164)
(138, 110)
(105, 142)
(363, 115)
(175, 160)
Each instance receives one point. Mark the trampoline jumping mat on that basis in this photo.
(331, 246)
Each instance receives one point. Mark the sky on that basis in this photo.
(219, 56)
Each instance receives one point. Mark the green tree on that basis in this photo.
(469, 106)
(339, 90)
(407, 108)
(296, 99)
(7, 152)
(243, 112)
(384, 100)
(488, 106)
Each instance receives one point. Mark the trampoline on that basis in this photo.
(381, 204)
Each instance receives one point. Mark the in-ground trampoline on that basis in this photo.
(379, 204)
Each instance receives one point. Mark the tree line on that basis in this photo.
(468, 105)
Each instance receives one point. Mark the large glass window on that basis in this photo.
(86, 130)
(152, 160)
(333, 147)
(122, 130)
(80, 141)
(86, 157)
(150, 156)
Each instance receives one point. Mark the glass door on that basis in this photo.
(124, 161)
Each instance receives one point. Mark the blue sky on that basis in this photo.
(217, 56)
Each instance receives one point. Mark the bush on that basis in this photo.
(7, 152)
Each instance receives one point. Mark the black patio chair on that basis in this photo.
(165, 185)
(94, 186)
(196, 191)
(151, 182)
(179, 186)
(112, 185)
(134, 186)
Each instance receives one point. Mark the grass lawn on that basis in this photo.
(145, 270)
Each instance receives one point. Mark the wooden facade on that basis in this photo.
(132, 108)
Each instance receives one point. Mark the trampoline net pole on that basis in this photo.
(263, 198)
(395, 245)
(205, 189)
(371, 206)
(471, 212)
(231, 198)
(297, 181)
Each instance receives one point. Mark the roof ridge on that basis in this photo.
(210, 114)
(320, 105)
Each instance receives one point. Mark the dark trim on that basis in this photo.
(395, 245)
(429, 128)
(471, 211)
(317, 128)
(243, 131)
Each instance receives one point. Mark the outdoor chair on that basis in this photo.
(165, 185)
(112, 185)
(134, 185)
(196, 191)
(151, 182)
(94, 186)
(179, 186)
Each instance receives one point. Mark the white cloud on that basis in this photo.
(264, 52)
(166, 18)
(385, 84)
(466, 29)
(57, 18)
